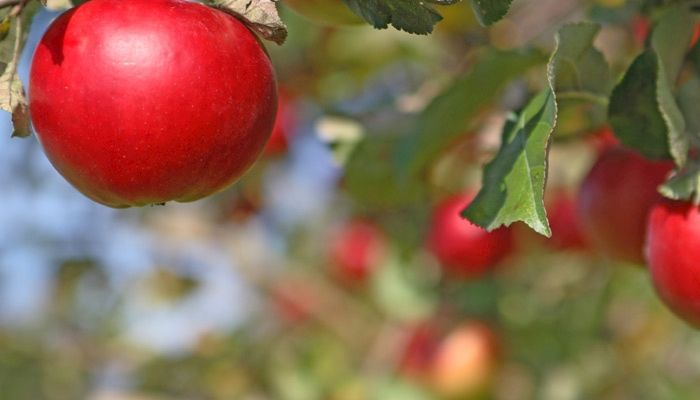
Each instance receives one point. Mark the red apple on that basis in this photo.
(283, 129)
(356, 250)
(465, 362)
(140, 102)
(464, 249)
(564, 222)
(324, 12)
(673, 254)
(615, 199)
(418, 352)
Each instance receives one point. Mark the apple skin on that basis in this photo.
(465, 362)
(356, 250)
(614, 202)
(465, 250)
(140, 102)
(324, 12)
(673, 255)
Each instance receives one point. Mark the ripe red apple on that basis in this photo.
(615, 199)
(464, 249)
(356, 250)
(465, 362)
(324, 12)
(139, 102)
(564, 222)
(283, 129)
(673, 254)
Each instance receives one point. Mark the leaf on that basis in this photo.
(689, 102)
(684, 184)
(578, 69)
(371, 179)
(514, 180)
(411, 16)
(490, 11)
(446, 117)
(643, 111)
(260, 15)
(12, 97)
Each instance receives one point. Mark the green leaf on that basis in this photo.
(490, 11)
(643, 111)
(371, 179)
(446, 117)
(514, 180)
(689, 102)
(406, 15)
(685, 184)
(578, 69)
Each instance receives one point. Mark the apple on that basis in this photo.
(465, 362)
(465, 250)
(614, 202)
(325, 12)
(564, 222)
(140, 102)
(418, 351)
(673, 255)
(357, 248)
(283, 128)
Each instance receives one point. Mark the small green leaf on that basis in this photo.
(446, 117)
(490, 11)
(514, 181)
(643, 111)
(410, 16)
(685, 184)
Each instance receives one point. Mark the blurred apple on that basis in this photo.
(464, 249)
(285, 124)
(615, 199)
(418, 351)
(357, 248)
(465, 362)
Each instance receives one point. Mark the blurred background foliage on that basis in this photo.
(239, 296)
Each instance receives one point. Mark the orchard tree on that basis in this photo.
(143, 102)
